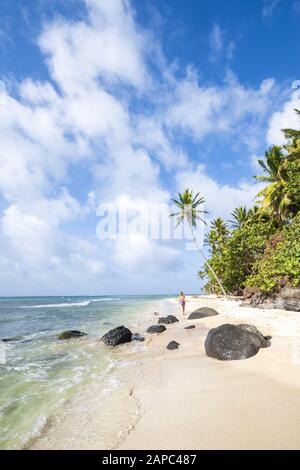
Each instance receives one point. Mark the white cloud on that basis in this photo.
(44, 132)
(202, 110)
(139, 252)
(253, 160)
(107, 44)
(33, 231)
(220, 199)
(284, 118)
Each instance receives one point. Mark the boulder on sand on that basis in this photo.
(289, 299)
(70, 334)
(116, 336)
(234, 342)
(250, 292)
(202, 312)
(191, 327)
(156, 329)
(168, 320)
(173, 345)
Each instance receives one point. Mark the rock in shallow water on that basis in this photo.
(168, 320)
(70, 334)
(173, 345)
(119, 335)
(137, 337)
(234, 342)
(156, 329)
(203, 312)
(12, 339)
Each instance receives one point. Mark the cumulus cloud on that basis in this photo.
(202, 110)
(106, 44)
(253, 160)
(220, 199)
(284, 118)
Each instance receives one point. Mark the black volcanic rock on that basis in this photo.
(71, 334)
(202, 312)
(234, 342)
(116, 336)
(156, 329)
(168, 320)
(173, 345)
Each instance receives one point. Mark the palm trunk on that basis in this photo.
(207, 263)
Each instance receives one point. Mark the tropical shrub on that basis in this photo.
(240, 252)
(280, 264)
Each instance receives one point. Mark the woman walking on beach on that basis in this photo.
(181, 300)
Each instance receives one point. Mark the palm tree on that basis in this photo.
(241, 216)
(293, 145)
(292, 133)
(220, 226)
(217, 234)
(188, 207)
(273, 198)
(256, 214)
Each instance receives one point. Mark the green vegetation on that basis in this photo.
(233, 259)
(280, 264)
(261, 246)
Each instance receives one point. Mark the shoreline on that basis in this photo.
(100, 412)
(183, 399)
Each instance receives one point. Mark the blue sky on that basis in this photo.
(114, 102)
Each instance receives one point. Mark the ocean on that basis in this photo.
(41, 373)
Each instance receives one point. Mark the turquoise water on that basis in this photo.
(41, 372)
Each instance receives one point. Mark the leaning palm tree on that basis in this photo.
(188, 207)
(273, 198)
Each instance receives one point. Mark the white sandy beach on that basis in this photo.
(183, 399)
